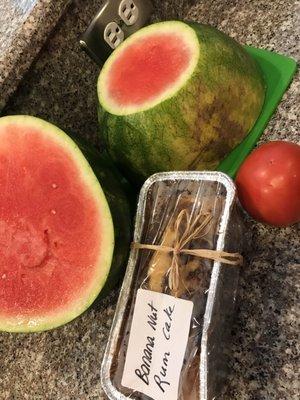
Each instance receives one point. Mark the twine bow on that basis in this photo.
(191, 230)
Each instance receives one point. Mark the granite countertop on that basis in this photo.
(64, 364)
(24, 26)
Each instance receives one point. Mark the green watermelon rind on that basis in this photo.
(104, 270)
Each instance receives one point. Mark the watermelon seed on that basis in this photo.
(53, 212)
(3, 276)
(54, 185)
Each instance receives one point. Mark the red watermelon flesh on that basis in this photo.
(56, 234)
(147, 68)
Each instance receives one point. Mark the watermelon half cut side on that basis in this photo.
(56, 229)
(138, 77)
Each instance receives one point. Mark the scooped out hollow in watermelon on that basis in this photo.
(177, 96)
(56, 227)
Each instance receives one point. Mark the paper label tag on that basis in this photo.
(157, 343)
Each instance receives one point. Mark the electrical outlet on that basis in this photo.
(113, 34)
(128, 12)
(115, 21)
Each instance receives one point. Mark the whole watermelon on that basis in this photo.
(177, 96)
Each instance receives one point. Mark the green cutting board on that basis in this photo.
(278, 72)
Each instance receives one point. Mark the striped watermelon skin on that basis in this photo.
(199, 125)
(119, 195)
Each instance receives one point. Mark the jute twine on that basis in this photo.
(191, 230)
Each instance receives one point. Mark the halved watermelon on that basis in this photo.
(177, 96)
(56, 227)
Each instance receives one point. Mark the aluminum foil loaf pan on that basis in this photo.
(200, 209)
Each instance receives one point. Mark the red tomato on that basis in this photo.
(268, 183)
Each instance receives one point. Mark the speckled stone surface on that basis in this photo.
(24, 27)
(64, 364)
